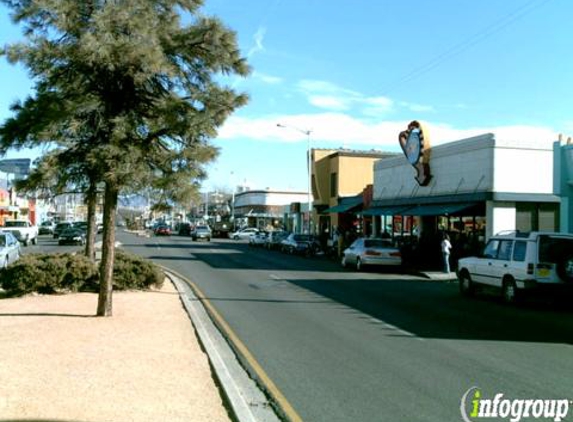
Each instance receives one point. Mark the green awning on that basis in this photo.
(438, 209)
(398, 210)
(345, 205)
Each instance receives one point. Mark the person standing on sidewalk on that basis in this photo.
(446, 250)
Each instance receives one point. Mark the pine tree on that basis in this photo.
(147, 75)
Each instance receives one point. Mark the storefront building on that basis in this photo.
(264, 209)
(339, 177)
(563, 177)
(472, 189)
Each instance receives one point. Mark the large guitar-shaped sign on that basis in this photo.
(416, 147)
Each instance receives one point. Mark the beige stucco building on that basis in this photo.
(337, 176)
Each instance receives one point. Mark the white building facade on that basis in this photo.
(486, 185)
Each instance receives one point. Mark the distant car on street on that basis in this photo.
(184, 229)
(23, 230)
(244, 233)
(60, 227)
(301, 244)
(258, 239)
(81, 225)
(47, 227)
(201, 233)
(9, 249)
(365, 252)
(274, 239)
(72, 236)
(162, 230)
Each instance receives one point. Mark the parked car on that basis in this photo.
(244, 233)
(47, 227)
(513, 262)
(184, 229)
(373, 251)
(72, 236)
(81, 225)
(60, 227)
(302, 244)
(9, 249)
(258, 239)
(23, 230)
(162, 230)
(274, 239)
(201, 233)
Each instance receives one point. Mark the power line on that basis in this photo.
(469, 42)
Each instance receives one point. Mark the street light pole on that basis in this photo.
(309, 165)
(233, 200)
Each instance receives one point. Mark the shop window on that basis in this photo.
(504, 251)
(549, 217)
(333, 185)
(525, 217)
(537, 217)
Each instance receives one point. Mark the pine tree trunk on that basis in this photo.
(91, 200)
(104, 307)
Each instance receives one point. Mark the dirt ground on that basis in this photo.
(60, 362)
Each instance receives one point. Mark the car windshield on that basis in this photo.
(15, 224)
(203, 229)
(551, 249)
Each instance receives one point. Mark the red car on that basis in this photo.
(163, 230)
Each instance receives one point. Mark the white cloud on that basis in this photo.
(329, 96)
(258, 39)
(268, 79)
(417, 108)
(329, 102)
(343, 129)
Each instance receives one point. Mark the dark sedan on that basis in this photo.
(72, 236)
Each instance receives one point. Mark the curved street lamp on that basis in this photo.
(309, 176)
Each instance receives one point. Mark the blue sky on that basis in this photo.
(356, 72)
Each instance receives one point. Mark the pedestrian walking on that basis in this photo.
(446, 250)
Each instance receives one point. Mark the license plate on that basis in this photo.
(543, 272)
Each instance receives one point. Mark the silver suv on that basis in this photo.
(514, 261)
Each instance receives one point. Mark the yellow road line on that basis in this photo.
(269, 385)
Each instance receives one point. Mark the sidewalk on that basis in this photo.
(59, 362)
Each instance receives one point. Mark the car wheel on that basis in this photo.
(35, 241)
(509, 291)
(467, 287)
(343, 261)
(359, 265)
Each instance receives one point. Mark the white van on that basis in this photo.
(514, 261)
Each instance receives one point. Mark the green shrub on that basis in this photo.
(132, 272)
(59, 273)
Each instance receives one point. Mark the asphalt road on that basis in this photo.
(374, 346)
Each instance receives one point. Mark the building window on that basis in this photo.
(333, 185)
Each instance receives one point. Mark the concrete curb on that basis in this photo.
(246, 400)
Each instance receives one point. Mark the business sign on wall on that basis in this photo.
(416, 146)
